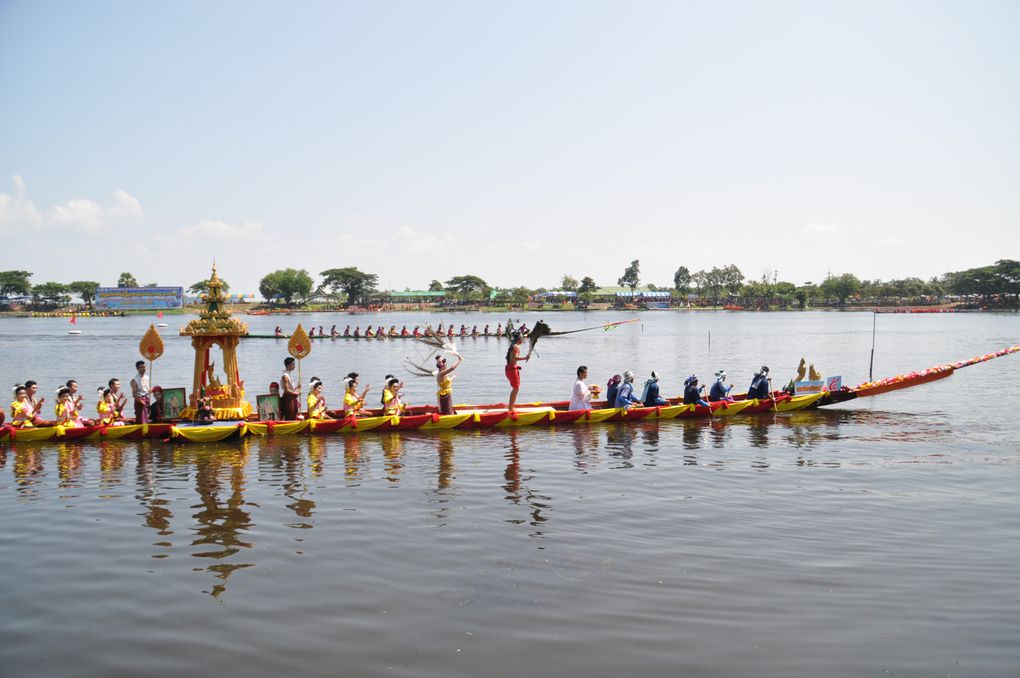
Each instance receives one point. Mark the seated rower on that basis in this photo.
(693, 392)
(279, 331)
(651, 397)
(354, 404)
(612, 386)
(22, 411)
(333, 333)
(369, 332)
(311, 333)
(322, 332)
(67, 416)
(357, 331)
(625, 393)
(316, 401)
(428, 331)
(499, 330)
(474, 330)
(760, 385)
(404, 332)
(106, 408)
(417, 331)
(439, 330)
(463, 330)
(449, 332)
(347, 331)
(485, 332)
(720, 392)
(392, 404)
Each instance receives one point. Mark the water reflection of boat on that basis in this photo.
(494, 416)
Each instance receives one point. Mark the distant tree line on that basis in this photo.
(716, 286)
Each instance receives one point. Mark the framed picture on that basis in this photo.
(269, 407)
(175, 400)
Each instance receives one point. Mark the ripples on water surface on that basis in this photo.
(881, 539)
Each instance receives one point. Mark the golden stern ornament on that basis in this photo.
(299, 345)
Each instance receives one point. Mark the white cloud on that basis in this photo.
(818, 228)
(889, 240)
(214, 228)
(19, 214)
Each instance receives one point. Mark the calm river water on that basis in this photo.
(881, 538)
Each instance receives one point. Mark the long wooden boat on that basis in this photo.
(374, 337)
(427, 418)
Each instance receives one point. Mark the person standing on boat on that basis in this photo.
(289, 400)
(625, 394)
(651, 397)
(513, 368)
(581, 395)
(692, 392)
(445, 382)
(720, 391)
(140, 393)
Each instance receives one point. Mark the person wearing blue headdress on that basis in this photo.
(720, 391)
(692, 392)
(625, 394)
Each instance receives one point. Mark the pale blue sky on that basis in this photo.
(515, 141)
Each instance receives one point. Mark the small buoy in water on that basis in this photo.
(161, 325)
(74, 331)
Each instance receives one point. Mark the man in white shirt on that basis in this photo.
(580, 397)
(140, 393)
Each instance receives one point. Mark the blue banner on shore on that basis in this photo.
(139, 298)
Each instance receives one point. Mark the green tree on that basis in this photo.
(50, 292)
(587, 286)
(202, 287)
(569, 283)
(357, 285)
(682, 280)
(435, 286)
(520, 295)
(467, 287)
(840, 287)
(15, 283)
(288, 283)
(732, 279)
(631, 276)
(86, 289)
(126, 280)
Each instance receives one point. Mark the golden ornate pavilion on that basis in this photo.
(215, 327)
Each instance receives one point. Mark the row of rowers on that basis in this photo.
(620, 390)
(381, 332)
(27, 407)
(620, 393)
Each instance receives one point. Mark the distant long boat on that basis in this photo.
(427, 418)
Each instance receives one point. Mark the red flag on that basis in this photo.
(74, 320)
(160, 314)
